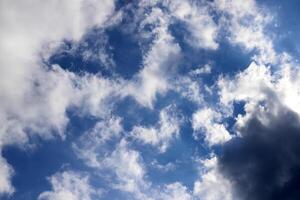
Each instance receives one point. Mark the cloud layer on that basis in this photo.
(186, 123)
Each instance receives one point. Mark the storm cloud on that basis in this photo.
(264, 163)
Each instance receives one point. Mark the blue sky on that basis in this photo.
(149, 100)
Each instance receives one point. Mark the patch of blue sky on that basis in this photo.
(284, 29)
(226, 59)
(125, 51)
(32, 167)
(75, 58)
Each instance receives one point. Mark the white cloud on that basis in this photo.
(175, 191)
(158, 63)
(91, 146)
(212, 185)
(206, 69)
(262, 92)
(165, 168)
(70, 185)
(127, 166)
(97, 94)
(160, 135)
(189, 88)
(103, 149)
(121, 166)
(246, 24)
(33, 98)
(209, 121)
(6, 172)
(239, 88)
(199, 22)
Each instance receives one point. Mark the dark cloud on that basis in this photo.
(264, 164)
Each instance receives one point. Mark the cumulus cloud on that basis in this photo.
(6, 172)
(23, 83)
(265, 88)
(158, 63)
(126, 164)
(161, 135)
(212, 185)
(202, 28)
(33, 98)
(91, 146)
(206, 69)
(175, 191)
(246, 23)
(70, 185)
(189, 88)
(103, 149)
(127, 173)
(210, 122)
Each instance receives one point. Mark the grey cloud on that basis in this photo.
(264, 163)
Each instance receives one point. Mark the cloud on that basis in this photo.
(33, 98)
(160, 61)
(27, 32)
(199, 22)
(264, 162)
(92, 145)
(246, 24)
(126, 164)
(6, 172)
(265, 86)
(206, 69)
(189, 88)
(121, 167)
(97, 95)
(163, 133)
(239, 88)
(165, 168)
(209, 121)
(212, 185)
(70, 185)
(175, 191)
(103, 149)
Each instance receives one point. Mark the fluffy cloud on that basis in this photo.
(23, 83)
(212, 185)
(162, 134)
(266, 91)
(159, 62)
(69, 185)
(127, 166)
(246, 25)
(199, 22)
(103, 149)
(6, 172)
(175, 191)
(33, 98)
(93, 143)
(209, 121)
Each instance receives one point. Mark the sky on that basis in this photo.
(149, 100)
